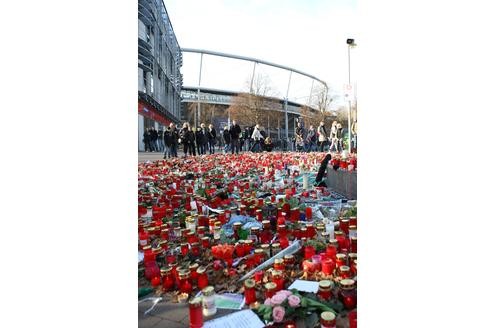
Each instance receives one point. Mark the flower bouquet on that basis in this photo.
(286, 306)
(223, 252)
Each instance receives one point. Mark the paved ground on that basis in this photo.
(168, 315)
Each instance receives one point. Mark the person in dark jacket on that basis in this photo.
(174, 137)
(203, 138)
(212, 138)
(167, 143)
(235, 132)
(187, 139)
(310, 139)
(154, 137)
(226, 139)
(147, 139)
(159, 140)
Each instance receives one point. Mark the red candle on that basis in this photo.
(328, 266)
(309, 213)
(309, 251)
(202, 277)
(278, 279)
(284, 242)
(331, 251)
(249, 291)
(184, 282)
(195, 313)
(325, 289)
(167, 279)
(344, 225)
(184, 248)
(258, 276)
(341, 259)
(195, 250)
(348, 294)
(353, 319)
(270, 289)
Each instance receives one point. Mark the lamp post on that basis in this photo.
(350, 44)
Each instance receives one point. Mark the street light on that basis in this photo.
(350, 44)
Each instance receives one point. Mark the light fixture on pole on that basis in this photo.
(350, 44)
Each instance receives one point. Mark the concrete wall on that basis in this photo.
(343, 182)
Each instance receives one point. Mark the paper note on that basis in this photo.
(241, 319)
(304, 286)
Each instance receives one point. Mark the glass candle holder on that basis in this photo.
(328, 266)
(345, 272)
(205, 242)
(279, 264)
(185, 285)
(278, 279)
(168, 282)
(344, 226)
(289, 260)
(193, 268)
(325, 289)
(328, 320)
(258, 276)
(237, 227)
(340, 259)
(354, 244)
(184, 249)
(195, 249)
(284, 242)
(208, 301)
(347, 293)
(248, 246)
(309, 213)
(310, 231)
(249, 291)
(309, 251)
(202, 277)
(260, 255)
(270, 289)
(195, 313)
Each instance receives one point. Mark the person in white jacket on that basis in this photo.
(257, 137)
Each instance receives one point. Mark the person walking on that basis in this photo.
(322, 136)
(212, 138)
(235, 132)
(226, 139)
(257, 138)
(147, 140)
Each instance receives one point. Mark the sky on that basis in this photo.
(307, 35)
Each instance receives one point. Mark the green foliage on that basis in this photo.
(351, 212)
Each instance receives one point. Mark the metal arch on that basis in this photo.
(259, 61)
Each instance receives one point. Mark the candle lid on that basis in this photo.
(340, 256)
(288, 257)
(338, 232)
(166, 270)
(354, 239)
(194, 266)
(276, 245)
(270, 285)
(195, 302)
(325, 284)
(327, 316)
(265, 246)
(344, 268)
(249, 283)
(146, 247)
(344, 220)
(208, 291)
(201, 270)
(276, 273)
(352, 256)
(264, 221)
(258, 251)
(352, 227)
(347, 283)
(279, 261)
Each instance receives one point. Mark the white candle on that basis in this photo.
(305, 182)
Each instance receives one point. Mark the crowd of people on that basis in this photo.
(200, 140)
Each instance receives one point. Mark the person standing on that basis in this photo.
(154, 137)
(339, 136)
(333, 137)
(235, 132)
(322, 135)
(147, 140)
(310, 139)
(166, 143)
(174, 137)
(212, 138)
(256, 136)
(299, 137)
(203, 138)
(226, 139)
(184, 139)
(159, 140)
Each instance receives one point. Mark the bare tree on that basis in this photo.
(255, 106)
